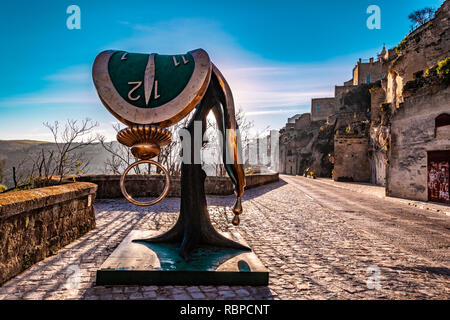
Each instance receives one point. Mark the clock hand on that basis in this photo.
(149, 77)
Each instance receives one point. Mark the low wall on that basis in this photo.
(144, 186)
(36, 223)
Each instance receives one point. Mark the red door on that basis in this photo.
(438, 176)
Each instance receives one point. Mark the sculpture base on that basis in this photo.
(134, 263)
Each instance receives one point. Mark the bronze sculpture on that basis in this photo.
(149, 92)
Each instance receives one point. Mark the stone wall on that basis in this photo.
(288, 145)
(291, 165)
(420, 50)
(377, 153)
(356, 122)
(303, 122)
(306, 145)
(377, 167)
(145, 186)
(417, 96)
(375, 70)
(351, 159)
(36, 223)
(321, 108)
(413, 134)
(377, 98)
(339, 92)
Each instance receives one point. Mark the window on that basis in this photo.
(442, 120)
(442, 126)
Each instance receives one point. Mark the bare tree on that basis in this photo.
(70, 142)
(419, 17)
(23, 176)
(213, 146)
(121, 156)
(170, 156)
(53, 162)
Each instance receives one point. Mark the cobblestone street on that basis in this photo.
(317, 240)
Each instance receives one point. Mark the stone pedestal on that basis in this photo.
(135, 263)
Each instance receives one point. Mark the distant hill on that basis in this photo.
(14, 152)
(12, 145)
(25, 141)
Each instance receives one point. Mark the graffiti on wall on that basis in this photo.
(438, 181)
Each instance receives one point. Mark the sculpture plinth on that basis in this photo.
(159, 264)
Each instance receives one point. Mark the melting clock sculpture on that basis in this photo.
(150, 92)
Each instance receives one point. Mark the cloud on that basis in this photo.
(181, 35)
(67, 86)
(267, 112)
(257, 83)
(269, 90)
(78, 74)
(46, 98)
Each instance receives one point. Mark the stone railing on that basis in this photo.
(36, 223)
(144, 186)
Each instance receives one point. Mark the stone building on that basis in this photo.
(370, 71)
(288, 153)
(420, 147)
(351, 155)
(273, 152)
(321, 108)
(418, 95)
(307, 140)
(389, 125)
(379, 131)
(351, 135)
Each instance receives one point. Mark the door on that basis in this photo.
(438, 176)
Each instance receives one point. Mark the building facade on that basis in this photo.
(389, 125)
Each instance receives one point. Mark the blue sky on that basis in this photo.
(276, 55)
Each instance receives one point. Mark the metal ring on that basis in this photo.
(144, 204)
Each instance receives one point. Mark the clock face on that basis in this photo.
(150, 80)
(151, 88)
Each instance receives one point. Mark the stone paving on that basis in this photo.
(314, 246)
(380, 192)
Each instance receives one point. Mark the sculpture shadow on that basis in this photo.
(172, 204)
(424, 269)
(248, 194)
